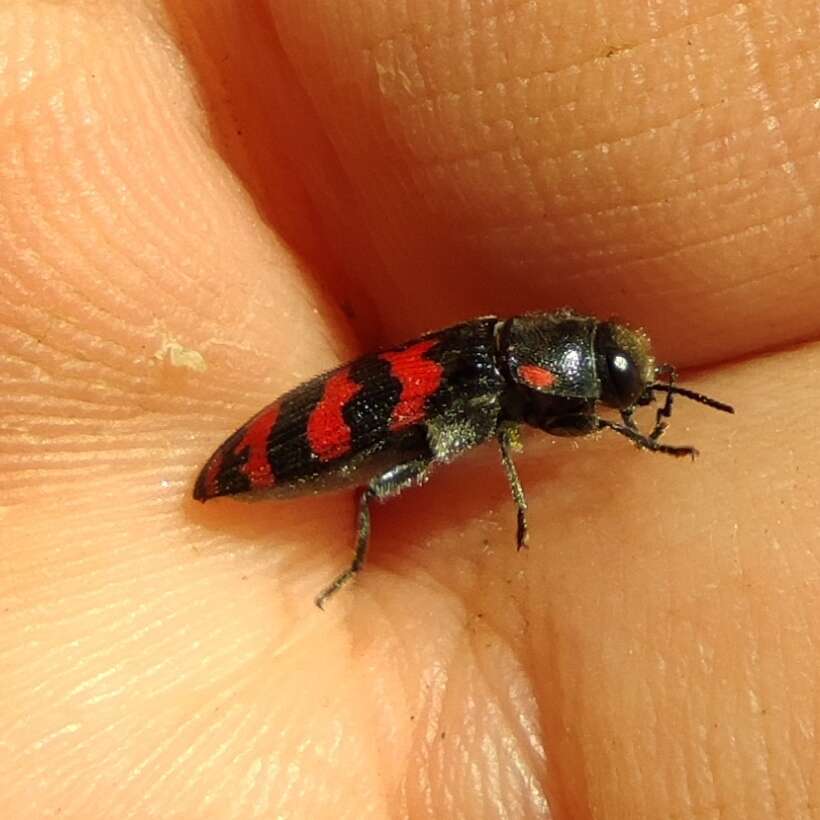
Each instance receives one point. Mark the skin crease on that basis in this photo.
(279, 187)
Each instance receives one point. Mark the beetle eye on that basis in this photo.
(626, 377)
(622, 384)
(623, 360)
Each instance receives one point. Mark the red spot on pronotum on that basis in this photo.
(327, 431)
(537, 377)
(419, 378)
(257, 468)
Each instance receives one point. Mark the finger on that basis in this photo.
(140, 279)
(145, 309)
(539, 156)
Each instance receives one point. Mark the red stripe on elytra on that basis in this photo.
(537, 377)
(327, 432)
(419, 378)
(257, 468)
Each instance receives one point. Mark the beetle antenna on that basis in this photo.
(691, 394)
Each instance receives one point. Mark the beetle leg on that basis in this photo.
(662, 413)
(646, 442)
(389, 483)
(628, 415)
(508, 441)
(665, 410)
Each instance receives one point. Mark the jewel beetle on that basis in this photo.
(383, 421)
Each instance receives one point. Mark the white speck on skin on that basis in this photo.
(176, 355)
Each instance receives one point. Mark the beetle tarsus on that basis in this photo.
(508, 440)
(388, 484)
(362, 541)
(647, 442)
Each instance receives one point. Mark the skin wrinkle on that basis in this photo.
(243, 752)
(248, 718)
(581, 273)
(540, 223)
(473, 32)
(565, 778)
(447, 164)
(534, 760)
(116, 249)
(146, 764)
(102, 176)
(694, 773)
(717, 240)
(96, 342)
(49, 590)
(734, 287)
(573, 67)
(767, 103)
(597, 213)
(433, 703)
(654, 258)
(768, 728)
(77, 668)
(665, 201)
(125, 253)
(114, 370)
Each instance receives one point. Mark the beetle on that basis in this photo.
(383, 421)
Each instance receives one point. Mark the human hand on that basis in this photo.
(272, 189)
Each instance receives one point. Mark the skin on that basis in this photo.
(271, 189)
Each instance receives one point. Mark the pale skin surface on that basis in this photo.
(281, 187)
